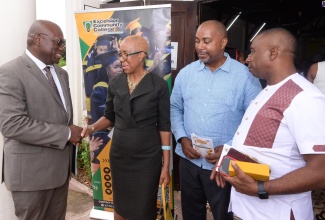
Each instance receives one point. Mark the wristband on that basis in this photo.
(165, 147)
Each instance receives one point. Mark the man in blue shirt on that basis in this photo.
(209, 99)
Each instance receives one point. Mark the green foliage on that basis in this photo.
(83, 158)
(62, 62)
(63, 59)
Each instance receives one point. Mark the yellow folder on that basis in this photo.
(257, 171)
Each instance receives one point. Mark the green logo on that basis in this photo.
(87, 25)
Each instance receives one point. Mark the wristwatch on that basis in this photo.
(262, 194)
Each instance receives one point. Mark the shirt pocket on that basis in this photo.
(190, 91)
(223, 99)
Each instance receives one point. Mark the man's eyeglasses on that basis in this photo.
(58, 41)
(124, 56)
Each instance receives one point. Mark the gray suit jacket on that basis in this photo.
(34, 124)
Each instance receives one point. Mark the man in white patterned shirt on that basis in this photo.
(283, 127)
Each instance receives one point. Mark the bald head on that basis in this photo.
(281, 38)
(45, 41)
(272, 56)
(215, 26)
(138, 43)
(41, 26)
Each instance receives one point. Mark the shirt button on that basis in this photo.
(237, 133)
(246, 118)
(256, 103)
(266, 90)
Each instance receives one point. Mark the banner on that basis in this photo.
(100, 34)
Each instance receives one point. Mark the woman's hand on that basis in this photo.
(86, 131)
(164, 176)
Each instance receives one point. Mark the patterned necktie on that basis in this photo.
(50, 79)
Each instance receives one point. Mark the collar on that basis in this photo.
(38, 63)
(225, 66)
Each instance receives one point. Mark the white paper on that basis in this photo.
(224, 152)
(110, 134)
(174, 52)
(202, 145)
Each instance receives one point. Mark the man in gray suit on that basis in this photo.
(36, 122)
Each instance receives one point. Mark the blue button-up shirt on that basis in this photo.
(211, 104)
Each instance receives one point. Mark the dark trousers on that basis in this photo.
(41, 205)
(197, 189)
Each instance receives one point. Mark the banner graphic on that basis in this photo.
(100, 34)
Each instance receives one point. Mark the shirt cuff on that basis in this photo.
(69, 134)
(179, 134)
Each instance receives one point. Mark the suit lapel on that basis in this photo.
(33, 69)
(120, 84)
(145, 86)
(65, 89)
(122, 89)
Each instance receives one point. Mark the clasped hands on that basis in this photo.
(75, 136)
(78, 133)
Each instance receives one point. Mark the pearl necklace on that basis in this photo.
(133, 85)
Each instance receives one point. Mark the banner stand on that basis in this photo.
(99, 214)
(101, 32)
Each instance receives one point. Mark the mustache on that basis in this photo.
(201, 52)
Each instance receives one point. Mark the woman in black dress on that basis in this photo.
(137, 106)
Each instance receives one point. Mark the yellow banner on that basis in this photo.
(100, 34)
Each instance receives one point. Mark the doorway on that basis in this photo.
(245, 18)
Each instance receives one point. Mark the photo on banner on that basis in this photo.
(100, 34)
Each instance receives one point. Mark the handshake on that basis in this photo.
(75, 135)
(78, 133)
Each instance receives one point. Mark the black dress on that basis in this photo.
(136, 155)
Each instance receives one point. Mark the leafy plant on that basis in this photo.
(62, 62)
(83, 157)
